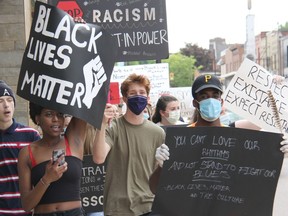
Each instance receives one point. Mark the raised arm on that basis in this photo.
(100, 147)
(76, 135)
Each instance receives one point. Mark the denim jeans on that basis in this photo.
(72, 212)
(95, 214)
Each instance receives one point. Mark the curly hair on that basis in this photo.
(34, 110)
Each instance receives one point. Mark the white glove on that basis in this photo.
(284, 144)
(162, 154)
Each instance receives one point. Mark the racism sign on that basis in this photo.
(67, 66)
(140, 27)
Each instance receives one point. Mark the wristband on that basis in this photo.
(45, 184)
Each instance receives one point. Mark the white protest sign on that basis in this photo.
(158, 75)
(184, 95)
(247, 96)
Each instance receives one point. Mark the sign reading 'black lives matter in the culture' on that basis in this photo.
(67, 66)
(140, 26)
(219, 171)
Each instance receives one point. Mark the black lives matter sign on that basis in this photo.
(67, 66)
(140, 27)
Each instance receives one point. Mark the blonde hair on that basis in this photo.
(90, 136)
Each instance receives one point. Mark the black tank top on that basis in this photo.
(67, 188)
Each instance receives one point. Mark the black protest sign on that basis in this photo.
(92, 185)
(219, 171)
(140, 27)
(67, 66)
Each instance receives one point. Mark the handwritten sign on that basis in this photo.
(139, 26)
(157, 73)
(219, 171)
(92, 185)
(247, 96)
(184, 95)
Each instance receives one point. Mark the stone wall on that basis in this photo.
(12, 45)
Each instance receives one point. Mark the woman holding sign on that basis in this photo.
(50, 182)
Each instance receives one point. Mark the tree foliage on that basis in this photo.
(204, 58)
(182, 68)
(284, 27)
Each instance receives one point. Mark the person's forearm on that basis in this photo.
(31, 199)
(100, 147)
(154, 179)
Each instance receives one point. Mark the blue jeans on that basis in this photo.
(95, 214)
(72, 212)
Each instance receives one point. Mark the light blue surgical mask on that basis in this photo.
(146, 116)
(210, 109)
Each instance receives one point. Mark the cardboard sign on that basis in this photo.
(92, 185)
(219, 171)
(67, 66)
(140, 27)
(247, 96)
(184, 95)
(114, 93)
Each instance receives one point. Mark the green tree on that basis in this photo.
(183, 68)
(204, 58)
(284, 27)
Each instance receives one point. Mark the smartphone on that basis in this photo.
(58, 153)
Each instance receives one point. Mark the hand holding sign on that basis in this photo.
(162, 154)
(94, 75)
(284, 144)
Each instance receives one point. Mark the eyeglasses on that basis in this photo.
(52, 114)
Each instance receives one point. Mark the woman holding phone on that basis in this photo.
(49, 187)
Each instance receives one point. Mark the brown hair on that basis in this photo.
(161, 105)
(134, 78)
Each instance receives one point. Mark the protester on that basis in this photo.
(167, 111)
(46, 186)
(147, 113)
(129, 145)
(90, 135)
(14, 136)
(116, 111)
(206, 91)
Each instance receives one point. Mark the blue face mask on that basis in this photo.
(146, 116)
(210, 109)
(137, 103)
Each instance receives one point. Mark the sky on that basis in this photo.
(198, 21)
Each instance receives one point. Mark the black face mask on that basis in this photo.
(137, 103)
